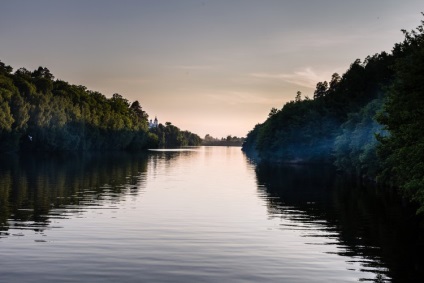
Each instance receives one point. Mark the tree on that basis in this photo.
(402, 150)
(43, 73)
(273, 112)
(355, 146)
(298, 97)
(5, 69)
(335, 80)
(320, 90)
(7, 91)
(59, 116)
(24, 73)
(136, 107)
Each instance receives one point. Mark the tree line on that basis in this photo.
(209, 140)
(171, 136)
(39, 112)
(368, 120)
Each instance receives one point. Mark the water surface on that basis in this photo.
(201, 215)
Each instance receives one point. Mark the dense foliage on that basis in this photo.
(368, 121)
(305, 130)
(228, 141)
(38, 112)
(402, 151)
(170, 136)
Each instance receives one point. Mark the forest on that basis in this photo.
(171, 136)
(209, 140)
(368, 121)
(41, 113)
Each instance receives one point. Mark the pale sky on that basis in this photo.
(210, 67)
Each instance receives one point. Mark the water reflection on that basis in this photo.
(35, 189)
(368, 225)
(195, 216)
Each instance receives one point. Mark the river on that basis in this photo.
(205, 214)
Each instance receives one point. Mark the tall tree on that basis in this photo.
(403, 150)
(321, 89)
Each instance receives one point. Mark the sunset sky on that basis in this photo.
(210, 67)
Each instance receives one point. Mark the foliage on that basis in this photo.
(306, 130)
(227, 141)
(355, 145)
(170, 136)
(369, 121)
(402, 150)
(38, 112)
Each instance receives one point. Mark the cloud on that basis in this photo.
(240, 97)
(129, 80)
(305, 77)
(193, 67)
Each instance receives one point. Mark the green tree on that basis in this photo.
(355, 147)
(38, 112)
(403, 149)
(5, 69)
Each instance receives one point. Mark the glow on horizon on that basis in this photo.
(210, 67)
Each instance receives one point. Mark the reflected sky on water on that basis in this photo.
(201, 215)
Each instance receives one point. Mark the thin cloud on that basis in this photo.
(306, 77)
(239, 97)
(193, 67)
(136, 81)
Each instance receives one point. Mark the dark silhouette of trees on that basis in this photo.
(402, 150)
(368, 121)
(321, 90)
(170, 136)
(38, 112)
(227, 141)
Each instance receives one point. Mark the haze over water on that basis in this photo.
(199, 215)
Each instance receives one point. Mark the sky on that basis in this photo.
(210, 67)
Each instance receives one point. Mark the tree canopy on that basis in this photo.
(39, 112)
(367, 121)
(402, 151)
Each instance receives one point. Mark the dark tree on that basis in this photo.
(402, 151)
(320, 90)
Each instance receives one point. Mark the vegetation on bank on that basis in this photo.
(228, 141)
(40, 113)
(368, 121)
(171, 136)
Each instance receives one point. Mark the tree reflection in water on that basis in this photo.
(34, 189)
(365, 222)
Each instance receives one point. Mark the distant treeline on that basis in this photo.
(228, 141)
(370, 121)
(40, 113)
(171, 136)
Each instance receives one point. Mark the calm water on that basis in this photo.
(200, 215)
